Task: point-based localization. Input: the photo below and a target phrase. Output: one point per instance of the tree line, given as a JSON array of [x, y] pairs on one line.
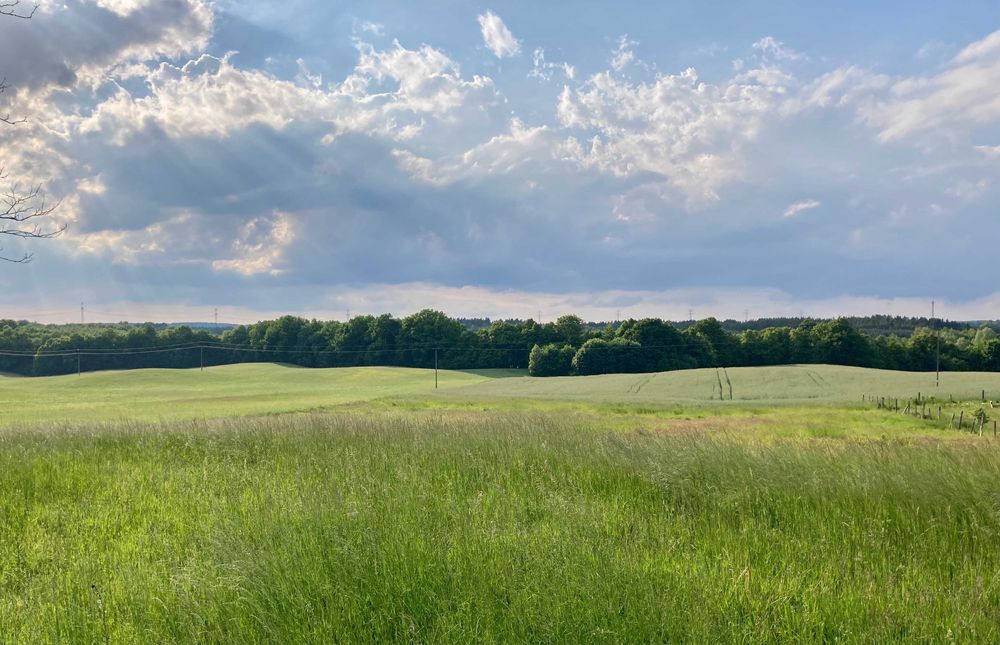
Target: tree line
[[428, 338]]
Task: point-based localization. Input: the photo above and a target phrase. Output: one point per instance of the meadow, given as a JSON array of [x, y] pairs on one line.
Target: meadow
[[231, 390], [254, 389], [492, 511]]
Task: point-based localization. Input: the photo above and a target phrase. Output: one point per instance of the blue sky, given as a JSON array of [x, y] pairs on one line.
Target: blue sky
[[506, 159]]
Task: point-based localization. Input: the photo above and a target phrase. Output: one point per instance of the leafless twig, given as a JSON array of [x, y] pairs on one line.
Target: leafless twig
[[19, 211], [12, 8]]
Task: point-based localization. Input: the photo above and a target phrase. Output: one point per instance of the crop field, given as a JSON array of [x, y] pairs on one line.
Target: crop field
[[358, 505], [232, 390], [266, 388], [771, 385]]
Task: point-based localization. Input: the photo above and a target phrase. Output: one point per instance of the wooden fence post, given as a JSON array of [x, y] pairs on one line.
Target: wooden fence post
[[961, 417]]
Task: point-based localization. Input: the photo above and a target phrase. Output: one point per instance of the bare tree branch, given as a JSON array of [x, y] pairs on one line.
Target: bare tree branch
[[20, 211], [7, 118], [11, 8]]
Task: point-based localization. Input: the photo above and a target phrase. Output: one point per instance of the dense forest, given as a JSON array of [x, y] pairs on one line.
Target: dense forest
[[566, 346]]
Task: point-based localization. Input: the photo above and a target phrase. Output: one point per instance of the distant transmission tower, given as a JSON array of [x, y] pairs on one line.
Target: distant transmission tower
[[81, 312]]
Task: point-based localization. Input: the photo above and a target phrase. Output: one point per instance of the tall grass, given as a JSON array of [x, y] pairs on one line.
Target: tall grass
[[490, 527]]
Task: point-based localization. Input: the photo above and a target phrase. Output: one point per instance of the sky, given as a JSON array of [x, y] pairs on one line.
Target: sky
[[508, 159]]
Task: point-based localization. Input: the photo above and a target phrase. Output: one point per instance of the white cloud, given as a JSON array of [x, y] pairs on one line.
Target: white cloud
[[207, 97], [969, 191], [932, 49], [501, 155], [773, 48], [374, 28], [260, 246], [687, 132], [800, 206], [623, 55], [954, 101], [544, 70], [497, 37], [841, 87], [423, 81], [123, 7], [992, 152], [178, 234], [93, 185], [986, 48], [671, 304], [390, 93], [474, 301]]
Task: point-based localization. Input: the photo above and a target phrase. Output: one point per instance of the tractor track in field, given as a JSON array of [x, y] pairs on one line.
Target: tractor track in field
[[636, 388]]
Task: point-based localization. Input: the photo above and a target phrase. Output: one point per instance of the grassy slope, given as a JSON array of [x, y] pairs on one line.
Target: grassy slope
[[788, 384], [248, 389], [492, 512], [254, 389], [492, 527]]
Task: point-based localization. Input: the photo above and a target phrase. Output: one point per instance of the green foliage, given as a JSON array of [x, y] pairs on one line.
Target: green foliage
[[29, 349], [551, 360], [723, 348], [663, 347], [837, 343], [599, 356], [989, 353], [570, 329]]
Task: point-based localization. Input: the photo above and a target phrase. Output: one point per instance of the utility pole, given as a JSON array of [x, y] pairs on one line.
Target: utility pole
[[435, 368], [216, 316], [937, 357], [81, 312]]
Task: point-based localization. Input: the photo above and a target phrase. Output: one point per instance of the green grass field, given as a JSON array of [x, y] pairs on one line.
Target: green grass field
[[259, 389], [770, 385], [179, 507], [232, 390]]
